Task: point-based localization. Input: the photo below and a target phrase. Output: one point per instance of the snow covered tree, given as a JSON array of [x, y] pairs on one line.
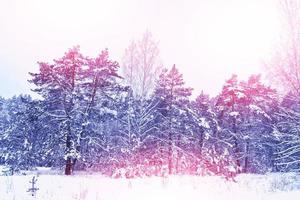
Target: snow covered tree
[[257, 127], [229, 105], [22, 145], [141, 67], [4, 123], [287, 134], [205, 128], [134, 135], [284, 70], [172, 99], [71, 87], [245, 116]]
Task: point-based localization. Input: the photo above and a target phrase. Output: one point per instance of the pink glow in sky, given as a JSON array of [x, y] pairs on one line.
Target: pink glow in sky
[[208, 40]]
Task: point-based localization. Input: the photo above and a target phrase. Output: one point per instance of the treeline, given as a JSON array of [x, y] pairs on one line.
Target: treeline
[[89, 119]]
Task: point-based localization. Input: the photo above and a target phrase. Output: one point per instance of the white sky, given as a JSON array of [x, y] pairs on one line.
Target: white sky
[[208, 40]]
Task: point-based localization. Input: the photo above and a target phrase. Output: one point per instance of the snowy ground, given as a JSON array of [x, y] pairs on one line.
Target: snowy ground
[[95, 187]]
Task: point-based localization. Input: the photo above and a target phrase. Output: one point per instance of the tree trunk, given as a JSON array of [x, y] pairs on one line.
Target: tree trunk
[[246, 164], [235, 139], [68, 168], [170, 154], [237, 154]]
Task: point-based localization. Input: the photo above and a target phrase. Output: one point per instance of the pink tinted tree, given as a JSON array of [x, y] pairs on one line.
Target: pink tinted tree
[[71, 87]]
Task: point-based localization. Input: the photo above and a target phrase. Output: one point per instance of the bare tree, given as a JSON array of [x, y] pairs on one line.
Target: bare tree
[[141, 65], [284, 70], [284, 65]]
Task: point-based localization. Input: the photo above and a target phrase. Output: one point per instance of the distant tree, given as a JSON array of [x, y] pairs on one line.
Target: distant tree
[[284, 65], [141, 65]]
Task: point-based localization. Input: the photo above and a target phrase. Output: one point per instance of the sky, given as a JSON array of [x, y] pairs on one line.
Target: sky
[[208, 40]]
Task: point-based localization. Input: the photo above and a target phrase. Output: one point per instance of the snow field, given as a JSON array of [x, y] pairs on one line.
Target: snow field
[[96, 187]]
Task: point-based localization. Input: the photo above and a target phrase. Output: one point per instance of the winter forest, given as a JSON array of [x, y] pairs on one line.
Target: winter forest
[[89, 120], [136, 118], [90, 117]]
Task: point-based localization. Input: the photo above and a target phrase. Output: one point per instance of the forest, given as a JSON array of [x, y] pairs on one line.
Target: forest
[[91, 118], [151, 100], [134, 117]]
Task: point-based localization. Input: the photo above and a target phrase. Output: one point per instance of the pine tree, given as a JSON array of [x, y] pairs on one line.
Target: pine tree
[[172, 99], [229, 106], [205, 134], [258, 125], [71, 87], [245, 110]]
